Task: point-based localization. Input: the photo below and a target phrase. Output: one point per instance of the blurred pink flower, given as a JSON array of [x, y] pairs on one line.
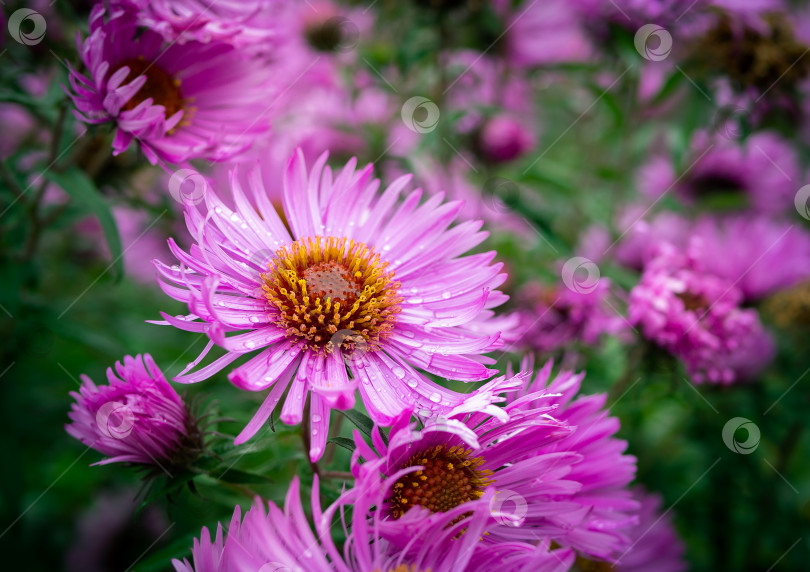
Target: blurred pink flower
[[113, 532], [764, 170], [543, 33], [503, 138], [240, 22], [178, 100], [758, 254], [481, 83], [560, 317], [684, 307]]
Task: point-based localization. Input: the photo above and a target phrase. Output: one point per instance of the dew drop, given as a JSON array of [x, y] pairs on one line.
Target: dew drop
[[316, 418], [445, 295], [413, 383], [399, 372], [435, 397]]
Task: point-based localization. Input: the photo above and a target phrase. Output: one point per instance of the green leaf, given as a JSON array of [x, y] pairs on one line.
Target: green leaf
[[163, 486], [157, 560], [360, 420], [79, 186], [671, 85], [343, 442], [238, 477]]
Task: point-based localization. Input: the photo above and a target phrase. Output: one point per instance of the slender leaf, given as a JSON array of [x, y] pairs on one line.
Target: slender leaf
[[343, 442], [238, 477], [79, 186], [360, 420]]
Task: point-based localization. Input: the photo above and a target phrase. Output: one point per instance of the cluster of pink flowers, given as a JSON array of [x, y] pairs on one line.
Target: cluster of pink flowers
[[361, 292], [320, 288]]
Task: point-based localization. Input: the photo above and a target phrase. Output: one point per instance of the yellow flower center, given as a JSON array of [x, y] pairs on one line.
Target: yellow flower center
[[160, 86], [332, 292], [449, 478]]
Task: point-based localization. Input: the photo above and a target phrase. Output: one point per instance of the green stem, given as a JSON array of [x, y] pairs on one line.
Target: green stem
[[305, 432]]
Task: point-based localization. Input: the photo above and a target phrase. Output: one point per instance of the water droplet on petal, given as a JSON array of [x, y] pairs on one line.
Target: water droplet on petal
[[435, 397], [316, 418]]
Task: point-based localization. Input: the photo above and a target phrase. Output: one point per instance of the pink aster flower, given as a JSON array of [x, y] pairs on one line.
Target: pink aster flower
[[271, 538], [655, 544], [543, 33], [697, 316], [137, 418], [278, 539], [556, 469], [758, 254], [763, 172], [558, 317], [761, 256], [503, 138], [178, 100], [240, 22], [366, 284]]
